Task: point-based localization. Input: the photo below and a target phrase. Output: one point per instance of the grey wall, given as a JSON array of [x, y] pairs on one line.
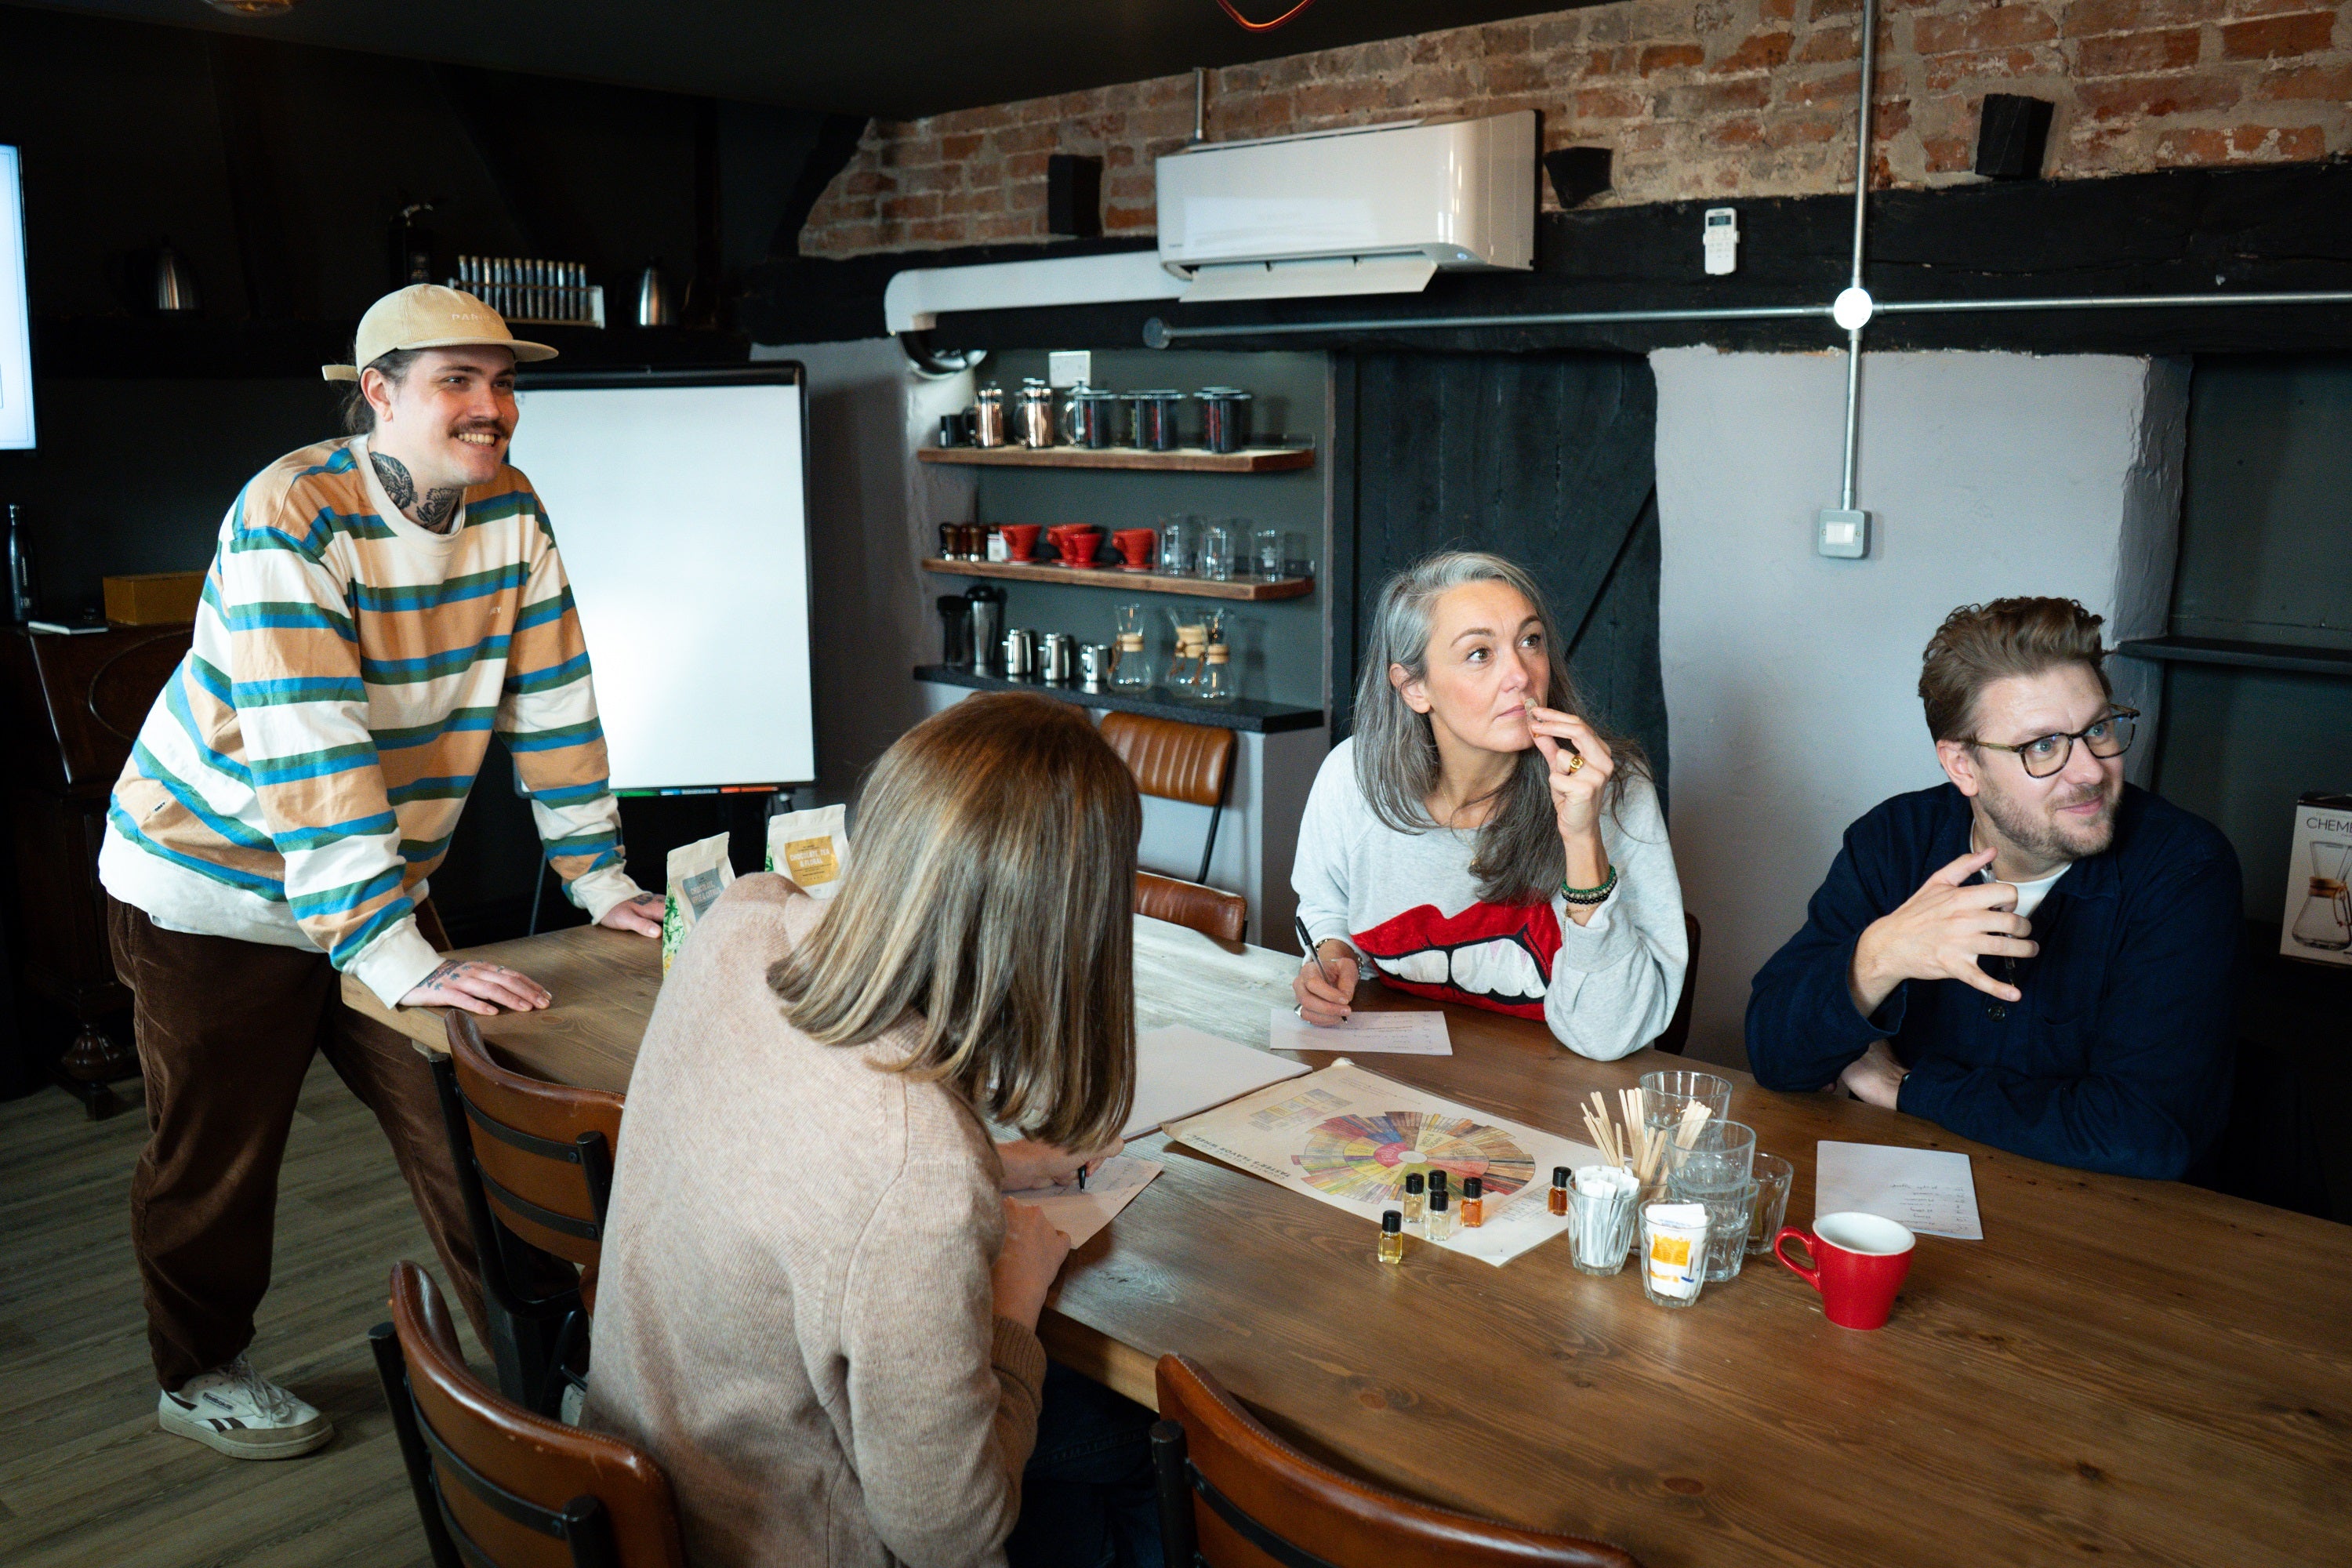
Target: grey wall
[[2265, 556], [1278, 645], [1792, 679]]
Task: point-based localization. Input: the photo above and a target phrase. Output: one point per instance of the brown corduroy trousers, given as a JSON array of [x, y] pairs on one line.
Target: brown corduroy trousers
[[226, 1030]]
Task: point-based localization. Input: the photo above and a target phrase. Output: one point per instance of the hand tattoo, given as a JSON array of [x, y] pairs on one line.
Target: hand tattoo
[[442, 971], [432, 510]]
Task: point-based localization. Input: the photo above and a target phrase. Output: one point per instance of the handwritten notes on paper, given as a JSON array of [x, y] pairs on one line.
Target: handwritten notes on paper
[[1933, 1191], [1415, 1034], [1078, 1213]]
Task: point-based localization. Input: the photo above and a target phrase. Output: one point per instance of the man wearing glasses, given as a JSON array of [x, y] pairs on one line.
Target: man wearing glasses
[[2035, 954]]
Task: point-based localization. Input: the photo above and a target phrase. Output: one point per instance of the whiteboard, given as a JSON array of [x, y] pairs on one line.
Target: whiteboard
[[680, 499], [16, 319]]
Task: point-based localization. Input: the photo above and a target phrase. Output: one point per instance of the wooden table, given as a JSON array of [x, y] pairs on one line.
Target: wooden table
[[2121, 1370]]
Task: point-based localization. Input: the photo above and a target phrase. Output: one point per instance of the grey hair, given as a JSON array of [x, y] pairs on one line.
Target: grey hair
[[1518, 858], [359, 414]]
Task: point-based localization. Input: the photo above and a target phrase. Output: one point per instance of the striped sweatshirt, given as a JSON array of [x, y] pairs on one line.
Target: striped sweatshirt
[[301, 772]]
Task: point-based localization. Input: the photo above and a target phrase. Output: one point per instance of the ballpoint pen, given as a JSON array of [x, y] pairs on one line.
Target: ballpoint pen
[[1306, 946]]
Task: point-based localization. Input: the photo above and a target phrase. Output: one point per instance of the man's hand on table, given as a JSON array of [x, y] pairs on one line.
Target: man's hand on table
[[478, 987], [642, 914], [1874, 1078]]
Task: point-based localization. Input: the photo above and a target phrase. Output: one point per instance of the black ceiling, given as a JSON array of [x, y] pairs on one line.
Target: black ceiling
[[898, 59]]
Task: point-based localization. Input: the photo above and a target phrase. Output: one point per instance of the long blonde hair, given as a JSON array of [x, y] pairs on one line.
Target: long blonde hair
[[989, 897]]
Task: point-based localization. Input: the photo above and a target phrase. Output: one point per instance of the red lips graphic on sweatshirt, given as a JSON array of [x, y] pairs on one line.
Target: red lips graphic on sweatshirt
[[1497, 956]]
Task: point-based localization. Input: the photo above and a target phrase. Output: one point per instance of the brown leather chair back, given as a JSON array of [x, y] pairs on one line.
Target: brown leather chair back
[[1240, 1498], [522, 1491], [1192, 762], [1677, 1036], [544, 1150], [1212, 911]]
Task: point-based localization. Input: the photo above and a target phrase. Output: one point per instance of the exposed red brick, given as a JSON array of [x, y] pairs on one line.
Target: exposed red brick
[[2278, 38], [1787, 131], [2154, 97], [1990, 29], [1944, 72], [1760, 52], [2309, 82], [1747, 131], [2084, 18], [1127, 220], [1948, 154], [1516, 74], [1838, 89], [2128, 54], [1776, 10], [1607, 103], [1658, 58], [955, 148], [1829, 46], [902, 207]]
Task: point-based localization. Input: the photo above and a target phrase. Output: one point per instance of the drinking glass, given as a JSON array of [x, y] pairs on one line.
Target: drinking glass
[[1176, 534], [1729, 1213], [1268, 552], [1217, 548], [1677, 1088], [1673, 1262], [1600, 1223], [1773, 1175], [1719, 1155]]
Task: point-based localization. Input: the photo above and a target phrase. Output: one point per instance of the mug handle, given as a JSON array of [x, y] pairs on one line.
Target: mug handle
[[1812, 1249]]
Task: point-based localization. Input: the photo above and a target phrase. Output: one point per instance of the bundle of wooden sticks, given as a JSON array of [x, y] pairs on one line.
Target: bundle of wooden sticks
[[1638, 1147]]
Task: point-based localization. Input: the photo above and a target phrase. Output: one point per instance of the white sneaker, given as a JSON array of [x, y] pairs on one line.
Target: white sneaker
[[242, 1413]]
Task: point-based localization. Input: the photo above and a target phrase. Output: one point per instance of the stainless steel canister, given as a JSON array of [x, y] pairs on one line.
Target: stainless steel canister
[[1033, 415], [1020, 654], [987, 626], [1224, 418], [988, 417], [1156, 419], [1057, 659], [1090, 417], [1096, 661]]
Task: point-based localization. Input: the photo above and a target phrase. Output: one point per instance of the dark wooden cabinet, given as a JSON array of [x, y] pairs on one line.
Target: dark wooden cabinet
[[75, 706]]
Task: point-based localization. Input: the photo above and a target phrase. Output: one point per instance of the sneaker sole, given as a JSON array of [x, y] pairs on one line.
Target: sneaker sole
[[247, 1443]]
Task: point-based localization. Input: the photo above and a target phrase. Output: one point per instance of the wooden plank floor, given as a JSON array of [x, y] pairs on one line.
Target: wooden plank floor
[[85, 1476]]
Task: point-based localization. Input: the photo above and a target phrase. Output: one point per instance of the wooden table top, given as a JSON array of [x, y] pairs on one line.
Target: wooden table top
[[2122, 1370]]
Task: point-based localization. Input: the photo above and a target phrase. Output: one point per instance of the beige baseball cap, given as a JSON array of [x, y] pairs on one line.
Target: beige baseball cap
[[428, 316]]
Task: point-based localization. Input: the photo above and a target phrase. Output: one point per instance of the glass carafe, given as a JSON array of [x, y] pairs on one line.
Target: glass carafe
[[1189, 629], [2326, 923], [1131, 669]]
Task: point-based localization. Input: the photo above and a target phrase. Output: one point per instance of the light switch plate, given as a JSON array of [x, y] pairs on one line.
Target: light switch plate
[[1070, 367], [1841, 534]]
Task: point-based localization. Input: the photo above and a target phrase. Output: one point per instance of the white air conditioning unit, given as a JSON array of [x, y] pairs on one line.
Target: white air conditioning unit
[[1373, 210]]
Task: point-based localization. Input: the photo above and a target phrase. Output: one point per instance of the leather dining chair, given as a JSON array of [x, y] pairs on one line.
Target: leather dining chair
[[1677, 1036], [535, 1167], [1171, 761], [1234, 1495], [1212, 911], [497, 1485]]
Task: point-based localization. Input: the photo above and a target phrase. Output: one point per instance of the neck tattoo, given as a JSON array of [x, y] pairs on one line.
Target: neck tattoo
[[434, 510]]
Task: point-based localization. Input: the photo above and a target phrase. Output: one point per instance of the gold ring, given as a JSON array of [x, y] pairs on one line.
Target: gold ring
[[1576, 762]]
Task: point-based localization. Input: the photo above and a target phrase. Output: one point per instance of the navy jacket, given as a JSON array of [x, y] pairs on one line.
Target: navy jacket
[[2118, 1058]]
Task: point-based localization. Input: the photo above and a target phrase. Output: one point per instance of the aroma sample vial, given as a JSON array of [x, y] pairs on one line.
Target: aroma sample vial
[[1473, 1202], [1557, 1199], [1441, 1217], [1414, 1184], [1391, 1248], [1437, 1180]]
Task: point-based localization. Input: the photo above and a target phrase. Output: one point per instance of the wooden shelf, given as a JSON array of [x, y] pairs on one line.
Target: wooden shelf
[[2244, 655], [1184, 459], [1254, 589]]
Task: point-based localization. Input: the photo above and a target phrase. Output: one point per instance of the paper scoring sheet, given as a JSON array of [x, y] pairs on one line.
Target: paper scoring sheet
[[1078, 1213], [1417, 1034], [1933, 1191]]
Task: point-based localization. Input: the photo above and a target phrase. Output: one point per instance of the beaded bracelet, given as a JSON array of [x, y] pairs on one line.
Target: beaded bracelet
[[1585, 897]]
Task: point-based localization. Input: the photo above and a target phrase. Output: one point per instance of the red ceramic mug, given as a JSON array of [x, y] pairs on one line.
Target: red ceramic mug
[[1020, 539], [1859, 1262]]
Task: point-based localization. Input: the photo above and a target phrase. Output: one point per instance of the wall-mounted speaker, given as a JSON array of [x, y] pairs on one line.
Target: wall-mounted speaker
[[1577, 174], [1073, 196], [2012, 131]]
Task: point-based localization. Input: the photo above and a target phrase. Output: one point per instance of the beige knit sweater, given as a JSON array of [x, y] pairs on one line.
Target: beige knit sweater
[[794, 1315]]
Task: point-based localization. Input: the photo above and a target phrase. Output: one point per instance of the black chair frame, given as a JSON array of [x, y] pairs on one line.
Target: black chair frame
[[1216, 815], [580, 1524], [535, 1338], [1178, 1480]]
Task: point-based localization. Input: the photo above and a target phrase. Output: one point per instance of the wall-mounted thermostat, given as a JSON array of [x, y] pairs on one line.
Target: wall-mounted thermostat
[[1841, 534], [1722, 238]]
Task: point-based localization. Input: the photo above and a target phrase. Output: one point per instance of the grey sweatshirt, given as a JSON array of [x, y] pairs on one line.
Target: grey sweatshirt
[[1406, 900], [796, 1314]]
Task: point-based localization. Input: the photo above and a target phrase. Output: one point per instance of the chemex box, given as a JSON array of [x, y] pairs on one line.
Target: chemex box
[[2319, 873]]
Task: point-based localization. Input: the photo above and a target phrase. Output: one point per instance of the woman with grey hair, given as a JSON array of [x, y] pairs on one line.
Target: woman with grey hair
[[1480, 839]]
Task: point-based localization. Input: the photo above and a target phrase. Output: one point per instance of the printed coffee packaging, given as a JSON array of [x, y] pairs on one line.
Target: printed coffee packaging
[[699, 873], [2318, 925], [811, 848]]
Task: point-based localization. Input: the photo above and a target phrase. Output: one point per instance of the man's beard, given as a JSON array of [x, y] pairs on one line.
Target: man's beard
[[2049, 840]]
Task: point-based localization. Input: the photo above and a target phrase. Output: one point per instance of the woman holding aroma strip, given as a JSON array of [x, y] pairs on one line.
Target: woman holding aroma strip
[[1481, 839]]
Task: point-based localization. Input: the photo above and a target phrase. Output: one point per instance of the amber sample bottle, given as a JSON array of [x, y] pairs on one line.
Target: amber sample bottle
[[1473, 1202], [1391, 1236], [1558, 1197]]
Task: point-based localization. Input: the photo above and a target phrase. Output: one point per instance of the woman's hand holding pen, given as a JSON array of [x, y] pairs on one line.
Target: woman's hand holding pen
[[1325, 985]]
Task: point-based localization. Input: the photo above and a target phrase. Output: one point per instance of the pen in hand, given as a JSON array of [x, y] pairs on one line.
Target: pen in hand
[[1306, 945]]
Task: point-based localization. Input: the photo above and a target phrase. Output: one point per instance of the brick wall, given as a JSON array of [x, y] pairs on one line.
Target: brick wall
[[1715, 97]]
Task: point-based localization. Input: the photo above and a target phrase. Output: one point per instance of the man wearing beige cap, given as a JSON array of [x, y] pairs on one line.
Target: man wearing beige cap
[[377, 607]]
